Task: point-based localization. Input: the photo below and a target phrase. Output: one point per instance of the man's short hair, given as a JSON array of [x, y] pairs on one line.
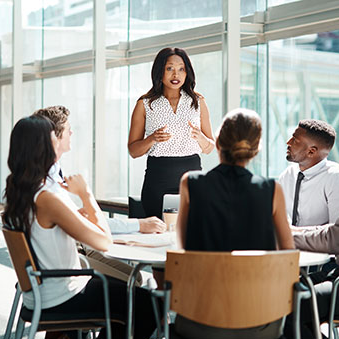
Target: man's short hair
[[59, 116], [319, 130]]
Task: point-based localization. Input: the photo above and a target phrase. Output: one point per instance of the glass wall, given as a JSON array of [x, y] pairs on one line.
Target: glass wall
[[6, 127], [6, 43], [6, 19], [304, 80], [153, 17], [285, 74], [75, 92]]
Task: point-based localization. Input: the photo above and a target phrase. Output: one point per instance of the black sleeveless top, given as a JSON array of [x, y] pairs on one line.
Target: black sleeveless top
[[230, 209]]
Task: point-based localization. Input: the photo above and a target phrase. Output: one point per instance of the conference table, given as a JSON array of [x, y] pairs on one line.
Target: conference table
[[150, 249]]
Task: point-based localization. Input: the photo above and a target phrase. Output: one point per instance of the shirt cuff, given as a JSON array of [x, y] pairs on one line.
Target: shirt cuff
[[132, 225], [118, 226]]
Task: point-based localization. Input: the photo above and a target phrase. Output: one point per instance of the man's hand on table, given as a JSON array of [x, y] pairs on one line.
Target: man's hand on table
[[152, 225]]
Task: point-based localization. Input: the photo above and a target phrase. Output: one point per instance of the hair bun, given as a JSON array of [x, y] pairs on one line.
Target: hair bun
[[241, 145]]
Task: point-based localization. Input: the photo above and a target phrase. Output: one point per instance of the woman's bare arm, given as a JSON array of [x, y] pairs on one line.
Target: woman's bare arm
[[204, 135], [183, 212], [52, 210], [282, 227], [138, 145]]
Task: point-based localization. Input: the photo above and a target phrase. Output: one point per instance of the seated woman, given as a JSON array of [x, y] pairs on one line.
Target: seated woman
[[229, 208], [42, 208]]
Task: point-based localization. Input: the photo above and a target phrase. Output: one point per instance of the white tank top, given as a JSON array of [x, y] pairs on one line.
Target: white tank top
[[55, 249], [181, 143]]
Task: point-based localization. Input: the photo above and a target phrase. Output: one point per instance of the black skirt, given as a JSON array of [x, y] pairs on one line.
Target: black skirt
[[162, 176]]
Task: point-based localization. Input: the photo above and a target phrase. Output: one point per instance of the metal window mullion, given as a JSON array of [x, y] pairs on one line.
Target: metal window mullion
[[99, 67], [17, 52], [231, 55]]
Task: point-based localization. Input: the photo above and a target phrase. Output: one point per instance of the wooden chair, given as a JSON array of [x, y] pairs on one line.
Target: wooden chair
[[30, 277], [233, 290]]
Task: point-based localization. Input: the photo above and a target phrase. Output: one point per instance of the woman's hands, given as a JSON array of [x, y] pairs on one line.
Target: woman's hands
[[204, 142], [76, 184], [160, 135]]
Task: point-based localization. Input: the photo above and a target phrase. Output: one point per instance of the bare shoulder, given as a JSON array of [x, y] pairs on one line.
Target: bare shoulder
[[139, 109], [51, 200], [140, 104], [46, 197], [184, 178], [277, 188], [199, 95]]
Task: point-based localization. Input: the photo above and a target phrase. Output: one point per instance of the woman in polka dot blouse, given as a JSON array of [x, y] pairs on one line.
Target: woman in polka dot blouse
[[171, 124]]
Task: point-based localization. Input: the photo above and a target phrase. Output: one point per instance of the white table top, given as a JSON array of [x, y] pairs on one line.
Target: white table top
[[313, 258], [157, 255]]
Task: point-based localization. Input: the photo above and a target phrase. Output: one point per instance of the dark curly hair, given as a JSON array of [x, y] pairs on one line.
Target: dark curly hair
[[157, 73], [319, 130], [31, 154]]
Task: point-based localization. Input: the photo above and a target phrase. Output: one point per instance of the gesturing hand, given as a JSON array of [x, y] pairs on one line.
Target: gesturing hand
[[75, 184], [160, 135], [196, 133]]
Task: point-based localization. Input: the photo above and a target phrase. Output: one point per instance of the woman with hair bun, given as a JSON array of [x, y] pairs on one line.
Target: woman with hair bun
[[171, 124], [229, 208]]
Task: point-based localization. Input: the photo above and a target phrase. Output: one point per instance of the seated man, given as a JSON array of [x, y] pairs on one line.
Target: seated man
[[59, 116], [313, 199], [323, 238]]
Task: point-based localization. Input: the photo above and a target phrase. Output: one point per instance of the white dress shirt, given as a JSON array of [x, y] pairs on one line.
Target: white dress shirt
[[116, 225], [318, 196]]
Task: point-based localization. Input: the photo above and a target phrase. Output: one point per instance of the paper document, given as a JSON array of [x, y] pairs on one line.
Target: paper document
[[145, 240]]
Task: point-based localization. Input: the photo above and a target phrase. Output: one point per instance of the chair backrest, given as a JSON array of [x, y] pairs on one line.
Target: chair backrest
[[20, 254], [236, 289], [171, 201]]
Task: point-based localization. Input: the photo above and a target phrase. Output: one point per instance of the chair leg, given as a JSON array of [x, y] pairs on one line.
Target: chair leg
[[12, 315], [19, 329]]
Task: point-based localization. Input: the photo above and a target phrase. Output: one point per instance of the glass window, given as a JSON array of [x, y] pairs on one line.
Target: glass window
[[55, 28], [116, 22], [153, 17], [68, 27], [253, 95], [75, 93], [208, 70], [32, 14], [114, 172], [140, 83], [31, 93], [6, 11], [272, 3], [6, 128], [248, 7], [304, 82]]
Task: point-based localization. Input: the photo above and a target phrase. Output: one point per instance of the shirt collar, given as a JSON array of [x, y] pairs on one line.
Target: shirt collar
[[54, 171], [312, 171]]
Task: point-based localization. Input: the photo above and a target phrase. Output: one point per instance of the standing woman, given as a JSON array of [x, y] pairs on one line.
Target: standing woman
[[176, 123]]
